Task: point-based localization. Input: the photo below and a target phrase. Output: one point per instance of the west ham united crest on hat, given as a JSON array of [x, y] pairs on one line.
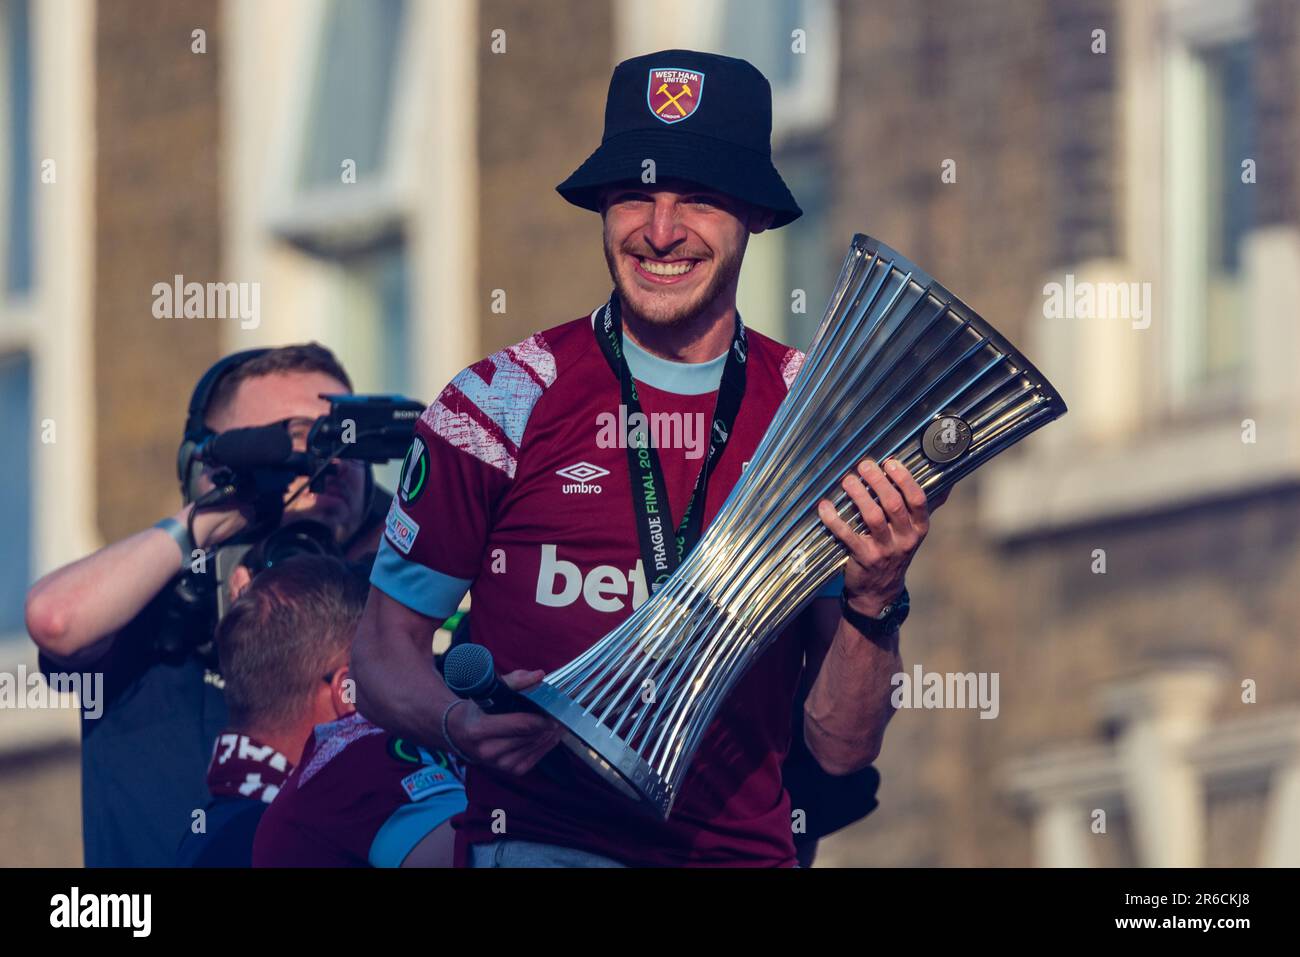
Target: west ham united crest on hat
[[653, 110], [673, 93]]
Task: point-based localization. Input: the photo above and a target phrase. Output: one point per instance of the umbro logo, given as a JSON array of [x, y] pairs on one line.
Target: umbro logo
[[582, 475]]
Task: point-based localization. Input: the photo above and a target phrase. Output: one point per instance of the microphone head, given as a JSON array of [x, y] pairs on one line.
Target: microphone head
[[248, 448], [469, 670]]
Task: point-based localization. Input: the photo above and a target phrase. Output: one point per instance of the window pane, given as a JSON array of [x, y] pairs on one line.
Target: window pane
[[760, 33], [18, 265], [386, 275], [352, 99], [813, 255], [1228, 140], [16, 481], [1210, 128], [369, 327]]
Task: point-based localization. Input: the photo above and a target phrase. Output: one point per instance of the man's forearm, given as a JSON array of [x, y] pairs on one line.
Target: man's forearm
[[77, 605], [849, 704], [397, 685]]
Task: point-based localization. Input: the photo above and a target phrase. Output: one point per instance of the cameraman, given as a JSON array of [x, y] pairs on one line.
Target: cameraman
[[143, 760]]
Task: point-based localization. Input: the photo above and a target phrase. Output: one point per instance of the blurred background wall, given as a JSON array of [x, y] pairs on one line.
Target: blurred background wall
[[385, 171]]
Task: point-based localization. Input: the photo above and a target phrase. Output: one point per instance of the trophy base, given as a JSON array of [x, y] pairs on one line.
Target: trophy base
[[613, 761]]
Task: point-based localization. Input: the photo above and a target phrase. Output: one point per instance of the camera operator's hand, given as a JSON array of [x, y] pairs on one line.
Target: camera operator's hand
[[212, 526], [75, 612], [510, 743]]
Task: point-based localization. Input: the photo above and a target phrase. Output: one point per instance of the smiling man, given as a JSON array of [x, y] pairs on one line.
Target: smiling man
[[508, 494]]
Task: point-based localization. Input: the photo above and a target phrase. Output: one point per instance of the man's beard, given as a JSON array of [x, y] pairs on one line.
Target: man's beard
[[666, 309]]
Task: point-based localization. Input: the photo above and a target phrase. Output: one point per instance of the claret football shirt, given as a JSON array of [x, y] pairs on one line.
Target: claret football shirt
[[359, 797], [517, 490]]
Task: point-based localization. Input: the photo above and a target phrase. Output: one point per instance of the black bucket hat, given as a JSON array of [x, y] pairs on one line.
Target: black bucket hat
[[701, 117]]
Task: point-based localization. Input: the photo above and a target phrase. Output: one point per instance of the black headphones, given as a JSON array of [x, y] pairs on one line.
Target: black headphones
[[188, 469], [196, 430]]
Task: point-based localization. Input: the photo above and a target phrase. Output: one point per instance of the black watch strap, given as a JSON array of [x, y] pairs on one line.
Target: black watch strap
[[891, 616]]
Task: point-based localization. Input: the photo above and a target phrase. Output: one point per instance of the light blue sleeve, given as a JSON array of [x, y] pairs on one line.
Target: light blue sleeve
[[410, 824], [415, 586]]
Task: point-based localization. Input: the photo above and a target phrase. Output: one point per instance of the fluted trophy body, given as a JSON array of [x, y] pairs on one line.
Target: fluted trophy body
[[899, 367]]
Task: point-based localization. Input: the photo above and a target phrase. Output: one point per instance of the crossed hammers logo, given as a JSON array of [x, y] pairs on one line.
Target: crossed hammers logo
[[672, 100]]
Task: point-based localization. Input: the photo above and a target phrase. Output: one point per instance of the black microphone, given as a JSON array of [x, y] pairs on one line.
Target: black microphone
[[470, 672], [242, 449]]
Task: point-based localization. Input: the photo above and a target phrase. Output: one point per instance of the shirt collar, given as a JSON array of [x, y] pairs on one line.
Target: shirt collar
[[683, 378]]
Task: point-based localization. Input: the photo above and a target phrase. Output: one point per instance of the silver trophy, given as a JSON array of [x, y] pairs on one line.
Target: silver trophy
[[899, 367]]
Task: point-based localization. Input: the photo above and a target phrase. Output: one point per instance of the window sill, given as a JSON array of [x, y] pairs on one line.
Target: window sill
[[1037, 495]]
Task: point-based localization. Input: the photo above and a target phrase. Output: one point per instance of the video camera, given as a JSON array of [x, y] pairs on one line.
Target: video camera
[[254, 467]]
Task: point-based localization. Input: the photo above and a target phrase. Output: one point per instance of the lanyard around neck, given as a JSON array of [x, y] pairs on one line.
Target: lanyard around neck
[[649, 498]]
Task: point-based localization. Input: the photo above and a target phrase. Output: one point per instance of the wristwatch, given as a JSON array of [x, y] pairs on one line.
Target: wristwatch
[[887, 622]]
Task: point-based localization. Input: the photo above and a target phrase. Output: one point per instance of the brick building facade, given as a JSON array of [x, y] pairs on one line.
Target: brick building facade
[[1121, 691]]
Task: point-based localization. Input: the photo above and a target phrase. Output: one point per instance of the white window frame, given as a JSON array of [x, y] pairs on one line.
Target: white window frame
[[429, 187], [1117, 381], [1190, 27], [311, 217]]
